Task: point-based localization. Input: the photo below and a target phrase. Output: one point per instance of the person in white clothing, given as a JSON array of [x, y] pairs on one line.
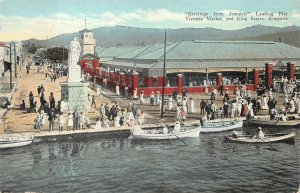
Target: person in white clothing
[[142, 100], [117, 121], [192, 105], [70, 122], [98, 124], [170, 103], [134, 94], [61, 122], [260, 134], [165, 130], [118, 90], [98, 90], [177, 127]]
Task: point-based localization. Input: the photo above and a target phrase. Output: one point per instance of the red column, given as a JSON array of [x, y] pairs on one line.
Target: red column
[[219, 80], [127, 80], [135, 80], [148, 81], [103, 74], [112, 78], [117, 78], [255, 78], [268, 75], [122, 79], [160, 81], [179, 83], [290, 71]]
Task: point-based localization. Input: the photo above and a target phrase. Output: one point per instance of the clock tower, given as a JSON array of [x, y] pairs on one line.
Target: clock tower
[[87, 43]]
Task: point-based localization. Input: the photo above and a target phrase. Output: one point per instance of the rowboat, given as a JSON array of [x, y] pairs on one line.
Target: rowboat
[[15, 141], [292, 121], [269, 138], [213, 126], [156, 134]]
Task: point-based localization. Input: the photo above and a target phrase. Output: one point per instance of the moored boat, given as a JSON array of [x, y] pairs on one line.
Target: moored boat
[[15, 141], [269, 138], [157, 134], [212, 126], [292, 121]]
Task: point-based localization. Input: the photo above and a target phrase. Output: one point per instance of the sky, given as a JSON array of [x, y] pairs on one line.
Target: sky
[[42, 19]]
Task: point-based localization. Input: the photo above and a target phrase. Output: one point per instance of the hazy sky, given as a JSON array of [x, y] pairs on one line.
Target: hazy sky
[[24, 19]]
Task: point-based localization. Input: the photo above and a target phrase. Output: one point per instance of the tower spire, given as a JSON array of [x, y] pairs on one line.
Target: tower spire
[[84, 23]]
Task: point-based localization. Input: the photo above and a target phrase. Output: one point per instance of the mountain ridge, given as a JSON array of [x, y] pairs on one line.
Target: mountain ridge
[[127, 35]]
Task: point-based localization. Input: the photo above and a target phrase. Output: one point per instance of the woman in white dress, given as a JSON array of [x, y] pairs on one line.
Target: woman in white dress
[[61, 122], [117, 90], [158, 98], [264, 103], [142, 100], [192, 105], [117, 120], [170, 103], [184, 104], [42, 117], [81, 120], [70, 122], [292, 106], [135, 94]]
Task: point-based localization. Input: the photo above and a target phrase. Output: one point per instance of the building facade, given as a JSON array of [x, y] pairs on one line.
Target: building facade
[[196, 65]]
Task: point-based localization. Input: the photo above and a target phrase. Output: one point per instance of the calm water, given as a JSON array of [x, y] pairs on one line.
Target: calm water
[[123, 165]]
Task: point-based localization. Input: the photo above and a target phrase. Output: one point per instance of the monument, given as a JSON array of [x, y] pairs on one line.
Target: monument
[[74, 91]]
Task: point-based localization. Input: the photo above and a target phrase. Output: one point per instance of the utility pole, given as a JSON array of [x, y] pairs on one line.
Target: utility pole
[[10, 77], [164, 77], [15, 59]]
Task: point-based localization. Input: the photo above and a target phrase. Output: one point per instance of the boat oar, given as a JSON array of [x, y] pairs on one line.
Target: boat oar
[[179, 138], [269, 145]]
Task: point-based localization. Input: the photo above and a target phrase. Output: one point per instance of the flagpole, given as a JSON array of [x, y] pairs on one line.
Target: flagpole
[[164, 77]]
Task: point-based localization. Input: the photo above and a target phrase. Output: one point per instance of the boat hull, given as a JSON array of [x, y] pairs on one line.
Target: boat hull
[[268, 139], [11, 142], [160, 136], [271, 123], [213, 127]]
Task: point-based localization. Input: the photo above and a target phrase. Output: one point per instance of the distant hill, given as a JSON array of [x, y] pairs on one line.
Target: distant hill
[[291, 38], [124, 35]]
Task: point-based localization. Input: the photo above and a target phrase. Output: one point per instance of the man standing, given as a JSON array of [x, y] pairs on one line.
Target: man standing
[[202, 106], [51, 119], [93, 101]]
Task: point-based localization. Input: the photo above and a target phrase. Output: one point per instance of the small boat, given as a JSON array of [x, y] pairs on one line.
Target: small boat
[[157, 134], [269, 138], [15, 141], [212, 126], [292, 121]]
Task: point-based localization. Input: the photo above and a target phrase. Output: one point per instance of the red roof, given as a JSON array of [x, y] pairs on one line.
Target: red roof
[[2, 44]]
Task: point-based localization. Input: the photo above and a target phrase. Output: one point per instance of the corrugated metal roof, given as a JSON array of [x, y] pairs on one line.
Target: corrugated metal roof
[[202, 54], [204, 50], [116, 51]]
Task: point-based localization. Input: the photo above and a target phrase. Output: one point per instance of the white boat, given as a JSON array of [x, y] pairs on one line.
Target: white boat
[[156, 134], [271, 138], [292, 121], [15, 141], [211, 126]]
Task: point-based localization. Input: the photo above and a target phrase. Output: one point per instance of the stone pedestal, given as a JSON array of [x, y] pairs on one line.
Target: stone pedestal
[[75, 96], [74, 73]]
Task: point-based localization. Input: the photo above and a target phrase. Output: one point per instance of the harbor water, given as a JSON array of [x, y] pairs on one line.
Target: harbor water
[[120, 164]]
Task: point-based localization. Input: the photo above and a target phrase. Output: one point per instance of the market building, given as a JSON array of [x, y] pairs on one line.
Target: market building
[[197, 64]]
